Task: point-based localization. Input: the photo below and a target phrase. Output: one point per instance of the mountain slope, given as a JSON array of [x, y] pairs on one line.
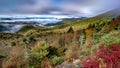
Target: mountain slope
[[111, 14], [82, 24]]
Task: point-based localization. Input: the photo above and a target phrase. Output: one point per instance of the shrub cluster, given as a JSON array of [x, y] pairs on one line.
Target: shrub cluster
[[104, 57]]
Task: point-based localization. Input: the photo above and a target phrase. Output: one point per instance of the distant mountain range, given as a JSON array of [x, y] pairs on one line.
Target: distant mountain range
[[2, 28], [12, 24], [34, 19]]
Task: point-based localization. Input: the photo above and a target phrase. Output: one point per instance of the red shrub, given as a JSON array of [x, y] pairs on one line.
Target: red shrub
[[109, 55], [91, 64]]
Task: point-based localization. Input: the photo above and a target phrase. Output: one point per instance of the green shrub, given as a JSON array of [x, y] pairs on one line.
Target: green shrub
[[109, 39], [26, 28], [70, 30], [13, 43], [55, 60], [61, 51], [38, 54]]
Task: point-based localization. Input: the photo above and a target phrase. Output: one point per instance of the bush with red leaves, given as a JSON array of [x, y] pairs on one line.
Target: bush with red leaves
[[110, 56], [91, 64]]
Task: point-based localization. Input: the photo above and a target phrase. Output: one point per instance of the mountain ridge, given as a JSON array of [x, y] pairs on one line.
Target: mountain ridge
[[110, 14]]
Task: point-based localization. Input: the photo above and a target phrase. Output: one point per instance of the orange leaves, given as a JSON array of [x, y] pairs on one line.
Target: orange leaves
[[88, 33]]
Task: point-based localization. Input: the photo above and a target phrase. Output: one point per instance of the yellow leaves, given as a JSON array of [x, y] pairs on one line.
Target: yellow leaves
[[88, 33]]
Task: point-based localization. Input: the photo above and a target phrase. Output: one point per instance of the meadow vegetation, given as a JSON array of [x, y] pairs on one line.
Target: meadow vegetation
[[94, 41]]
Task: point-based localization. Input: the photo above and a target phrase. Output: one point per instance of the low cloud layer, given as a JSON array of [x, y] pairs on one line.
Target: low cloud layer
[[57, 7]]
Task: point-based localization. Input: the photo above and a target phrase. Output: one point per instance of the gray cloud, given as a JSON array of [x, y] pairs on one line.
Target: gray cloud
[[65, 7]]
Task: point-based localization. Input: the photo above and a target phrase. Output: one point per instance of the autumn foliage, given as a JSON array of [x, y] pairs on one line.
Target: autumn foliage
[[104, 57]]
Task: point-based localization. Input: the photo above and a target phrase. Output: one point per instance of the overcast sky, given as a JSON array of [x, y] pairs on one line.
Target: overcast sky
[[57, 7]]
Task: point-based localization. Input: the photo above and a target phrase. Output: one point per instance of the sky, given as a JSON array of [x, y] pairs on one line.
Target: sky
[[57, 7]]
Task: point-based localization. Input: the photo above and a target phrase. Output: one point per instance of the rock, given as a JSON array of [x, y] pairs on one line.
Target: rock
[[74, 64], [77, 64]]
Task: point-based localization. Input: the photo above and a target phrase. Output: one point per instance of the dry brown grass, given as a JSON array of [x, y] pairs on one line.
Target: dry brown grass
[[73, 53], [46, 64], [16, 58]]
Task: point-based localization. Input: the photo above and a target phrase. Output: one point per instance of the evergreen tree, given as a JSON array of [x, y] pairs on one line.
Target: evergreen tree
[[70, 30]]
